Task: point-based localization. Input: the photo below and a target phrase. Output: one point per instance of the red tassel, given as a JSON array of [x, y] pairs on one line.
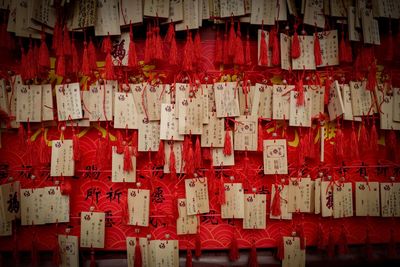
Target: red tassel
[[188, 53], [67, 42], [127, 159], [320, 238], [61, 66], [21, 134], [276, 56], [276, 202], [263, 60], [198, 245], [197, 49], [92, 56], [44, 58], [343, 248], [31, 62], [218, 49], [228, 143], [317, 50], [392, 245], [353, 146], [253, 262], [44, 151], [85, 60], [339, 142], [280, 253], [189, 160], [231, 40], [296, 51], [363, 139], [349, 53], [56, 254], [66, 187], [248, 52], [221, 191], [300, 90], [331, 244], [147, 51], [173, 52], [373, 140], [328, 84], [197, 154], [75, 144], [132, 58], [189, 258], [234, 249], [371, 83], [161, 154], [300, 234], [109, 66], [207, 153], [120, 143], [92, 259], [239, 54], [159, 47], [225, 48], [75, 58], [135, 143], [260, 137], [170, 33], [172, 161], [138, 255]]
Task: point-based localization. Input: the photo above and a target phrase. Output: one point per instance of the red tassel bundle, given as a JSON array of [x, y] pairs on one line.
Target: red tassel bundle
[[353, 146], [239, 53], [339, 138], [85, 60], [44, 151], [231, 40], [275, 47], [132, 58], [44, 58], [253, 262], [66, 187], [371, 82], [188, 53], [158, 53], [189, 258], [75, 144], [263, 60], [175, 208], [170, 33], [300, 90], [197, 52], [172, 161], [373, 139], [342, 49], [276, 202], [218, 49], [197, 154], [295, 50], [67, 42], [109, 68], [127, 159], [317, 50], [75, 59], [228, 143], [161, 154], [198, 245], [328, 84], [363, 143], [92, 56], [137, 262], [188, 156], [147, 46], [234, 249], [248, 51]]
